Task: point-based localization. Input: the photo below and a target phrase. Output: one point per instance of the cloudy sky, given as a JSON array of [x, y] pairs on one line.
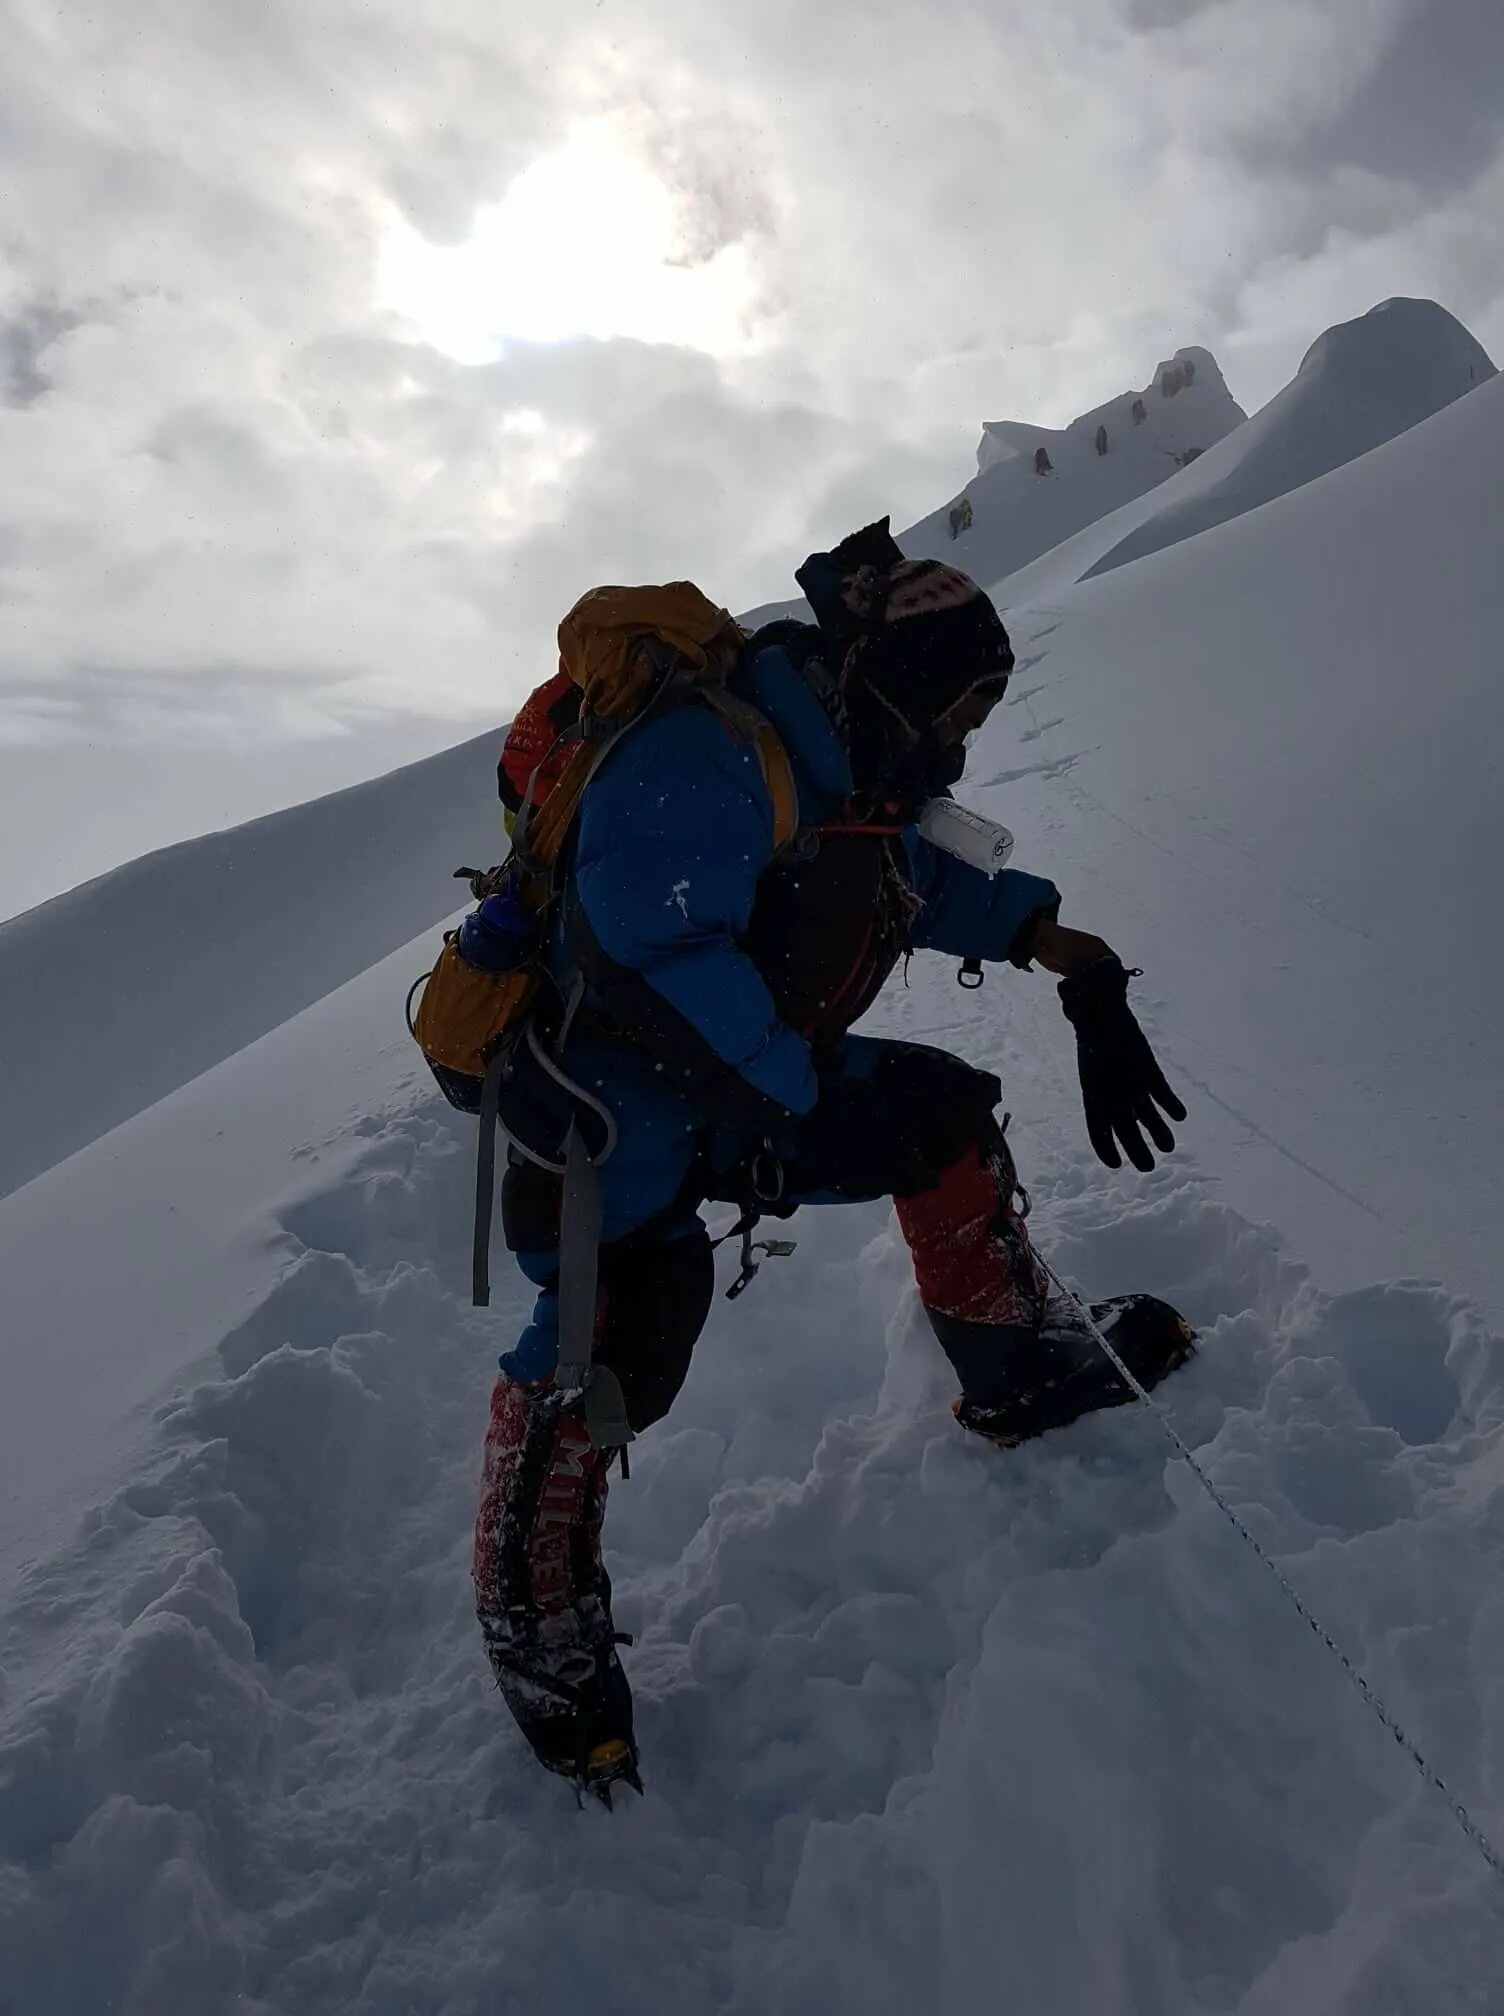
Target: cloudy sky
[[343, 342]]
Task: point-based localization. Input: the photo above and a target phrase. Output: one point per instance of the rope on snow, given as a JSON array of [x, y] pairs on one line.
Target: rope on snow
[[1491, 1855]]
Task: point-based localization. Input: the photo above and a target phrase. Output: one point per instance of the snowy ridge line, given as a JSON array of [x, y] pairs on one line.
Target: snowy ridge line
[[1302, 622], [247, 927], [1432, 1776], [1359, 385]]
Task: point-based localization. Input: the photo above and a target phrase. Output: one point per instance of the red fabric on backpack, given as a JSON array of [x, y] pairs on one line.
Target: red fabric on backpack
[[533, 741]]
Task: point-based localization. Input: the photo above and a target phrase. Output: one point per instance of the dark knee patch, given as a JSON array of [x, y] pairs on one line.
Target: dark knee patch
[[938, 1107], [894, 1131], [657, 1297], [530, 1202]]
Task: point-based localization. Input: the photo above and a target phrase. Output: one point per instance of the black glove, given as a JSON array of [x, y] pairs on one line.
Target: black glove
[[1121, 1084]]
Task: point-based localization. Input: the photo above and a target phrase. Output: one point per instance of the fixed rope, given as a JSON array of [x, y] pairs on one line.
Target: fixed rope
[[1432, 1777]]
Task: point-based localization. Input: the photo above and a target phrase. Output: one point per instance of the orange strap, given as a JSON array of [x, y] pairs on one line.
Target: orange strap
[[777, 771], [549, 825], [778, 775]]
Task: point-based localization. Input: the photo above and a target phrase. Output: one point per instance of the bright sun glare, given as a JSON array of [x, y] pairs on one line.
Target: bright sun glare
[[582, 244]]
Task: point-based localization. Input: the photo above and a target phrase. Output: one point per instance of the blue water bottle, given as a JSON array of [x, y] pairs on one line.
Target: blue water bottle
[[499, 935]]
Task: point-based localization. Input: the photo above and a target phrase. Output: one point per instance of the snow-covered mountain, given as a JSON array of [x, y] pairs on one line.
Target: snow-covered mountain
[[1179, 414], [923, 1726], [1015, 513], [156, 971], [1359, 385], [1193, 461]]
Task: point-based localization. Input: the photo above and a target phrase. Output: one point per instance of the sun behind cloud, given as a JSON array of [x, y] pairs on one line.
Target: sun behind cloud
[[587, 241]]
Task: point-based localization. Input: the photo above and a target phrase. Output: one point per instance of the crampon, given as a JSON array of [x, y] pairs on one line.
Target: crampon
[[607, 1766]]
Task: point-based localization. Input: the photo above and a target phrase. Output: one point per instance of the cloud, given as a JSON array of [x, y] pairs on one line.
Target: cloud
[[24, 340], [238, 486], [1430, 113]]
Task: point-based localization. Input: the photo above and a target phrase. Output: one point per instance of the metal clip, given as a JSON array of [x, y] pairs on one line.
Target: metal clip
[[775, 1249], [766, 1175]]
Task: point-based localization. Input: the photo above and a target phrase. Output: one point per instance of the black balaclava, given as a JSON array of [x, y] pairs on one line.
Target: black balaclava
[[918, 639]]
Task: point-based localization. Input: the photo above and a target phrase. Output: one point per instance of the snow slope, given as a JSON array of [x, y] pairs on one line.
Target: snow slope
[[1360, 384], [73, 809], [1271, 754], [923, 1727], [1017, 515], [116, 993]]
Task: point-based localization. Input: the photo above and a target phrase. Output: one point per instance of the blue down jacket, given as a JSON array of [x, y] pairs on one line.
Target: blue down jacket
[[661, 911]]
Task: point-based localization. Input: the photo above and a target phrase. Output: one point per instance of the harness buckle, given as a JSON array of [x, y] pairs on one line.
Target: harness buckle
[[773, 1249], [776, 1249]]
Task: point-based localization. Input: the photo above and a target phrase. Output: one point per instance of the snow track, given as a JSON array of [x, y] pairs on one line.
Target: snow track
[[917, 1718]]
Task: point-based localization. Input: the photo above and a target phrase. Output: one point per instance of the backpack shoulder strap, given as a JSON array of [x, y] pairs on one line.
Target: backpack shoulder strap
[[799, 641], [777, 771]]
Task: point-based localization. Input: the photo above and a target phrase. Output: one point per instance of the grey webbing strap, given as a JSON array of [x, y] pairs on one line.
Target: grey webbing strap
[[606, 1412], [581, 1220], [579, 1262], [485, 1184]]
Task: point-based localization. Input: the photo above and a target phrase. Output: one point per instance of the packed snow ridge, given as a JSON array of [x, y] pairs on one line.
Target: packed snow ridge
[[1119, 486], [924, 1727], [1035, 486], [1180, 413], [1358, 386], [161, 969]]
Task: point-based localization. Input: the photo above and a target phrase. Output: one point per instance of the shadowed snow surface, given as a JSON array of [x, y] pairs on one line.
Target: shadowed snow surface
[[158, 970]]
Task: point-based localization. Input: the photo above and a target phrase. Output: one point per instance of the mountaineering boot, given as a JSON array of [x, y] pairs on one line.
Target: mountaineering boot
[[576, 1714], [1062, 1371], [542, 1593]]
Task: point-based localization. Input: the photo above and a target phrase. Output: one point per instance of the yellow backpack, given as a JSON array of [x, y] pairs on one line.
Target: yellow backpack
[[619, 649]]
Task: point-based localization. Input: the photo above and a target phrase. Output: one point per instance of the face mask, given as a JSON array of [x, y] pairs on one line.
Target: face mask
[[944, 767], [887, 765], [926, 772]]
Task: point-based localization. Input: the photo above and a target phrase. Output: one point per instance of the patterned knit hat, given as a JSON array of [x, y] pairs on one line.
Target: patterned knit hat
[[915, 639], [917, 635], [923, 639]]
